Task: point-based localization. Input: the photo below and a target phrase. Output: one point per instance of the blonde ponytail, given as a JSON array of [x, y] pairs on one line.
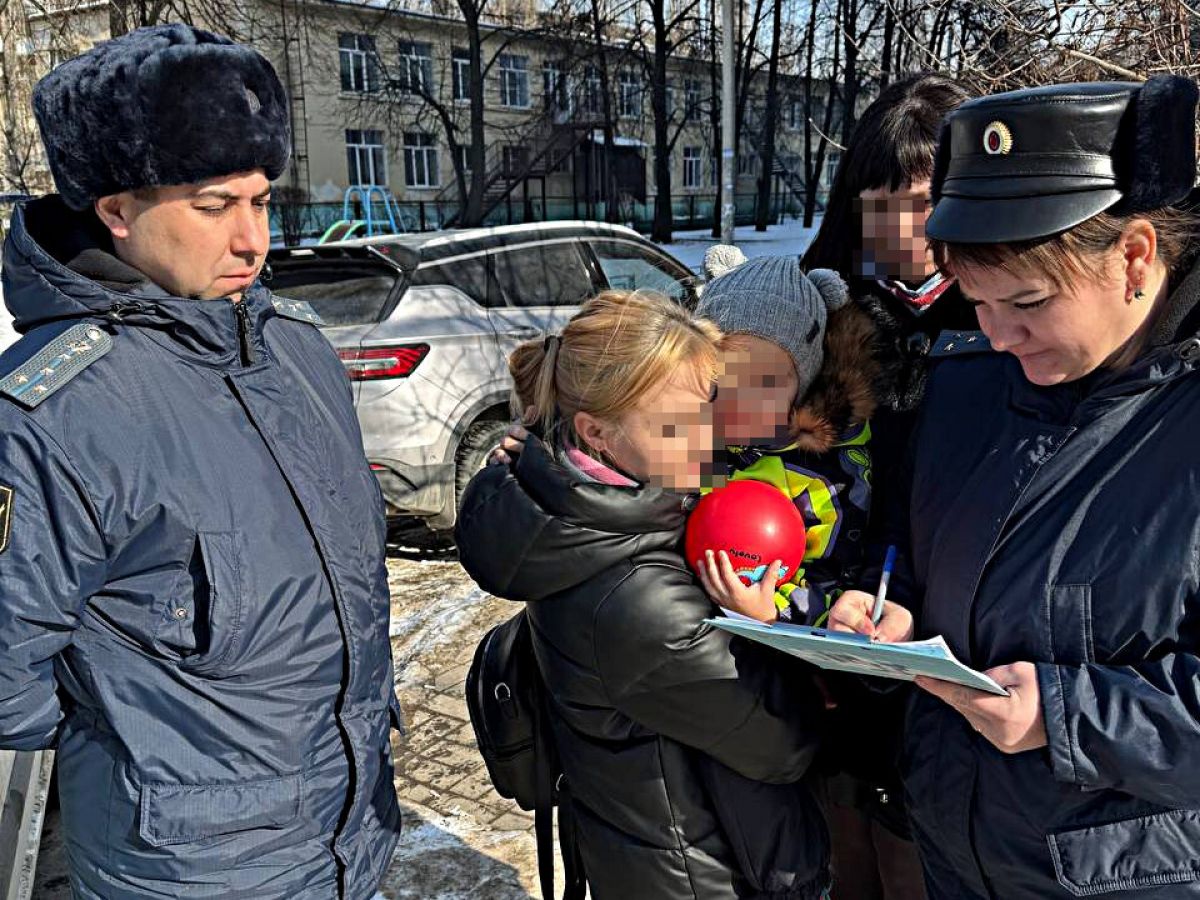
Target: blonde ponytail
[[619, 346]]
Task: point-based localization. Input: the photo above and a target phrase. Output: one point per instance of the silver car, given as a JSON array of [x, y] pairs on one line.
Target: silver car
[[425, 323]]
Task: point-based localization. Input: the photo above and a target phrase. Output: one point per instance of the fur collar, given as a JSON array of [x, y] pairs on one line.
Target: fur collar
[[845, 392]]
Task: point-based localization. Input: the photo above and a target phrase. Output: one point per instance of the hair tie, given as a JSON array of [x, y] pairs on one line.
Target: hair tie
[[551, 342]]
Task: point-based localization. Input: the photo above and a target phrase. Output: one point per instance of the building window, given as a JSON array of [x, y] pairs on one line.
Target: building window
[[554, 87], [515, 160], [420, 160], [796, 114], [514, 81], [670, 100], [746, 163], [629, 14], [460, 59], [359, 65], [691, 99], [366, 160], [592, 103], [629, 97], [691, 167], [464, 157], [416, 68]]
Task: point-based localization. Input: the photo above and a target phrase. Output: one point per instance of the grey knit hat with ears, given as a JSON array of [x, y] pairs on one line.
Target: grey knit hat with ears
[[770, 297]]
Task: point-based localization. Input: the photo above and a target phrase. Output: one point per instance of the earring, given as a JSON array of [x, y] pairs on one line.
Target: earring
[[1138, 294]]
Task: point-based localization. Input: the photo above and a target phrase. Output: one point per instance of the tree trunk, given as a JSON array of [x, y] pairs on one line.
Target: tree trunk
[[850, 71], [889, 35], [608, 189], [813, 171], [663, 224], [472, 212], [714, 121], [762, 212]]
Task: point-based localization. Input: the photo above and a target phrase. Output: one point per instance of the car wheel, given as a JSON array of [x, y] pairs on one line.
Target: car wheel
[[473, 451]]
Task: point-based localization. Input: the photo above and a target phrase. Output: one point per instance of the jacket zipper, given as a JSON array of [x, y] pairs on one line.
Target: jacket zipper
[[243, 320]]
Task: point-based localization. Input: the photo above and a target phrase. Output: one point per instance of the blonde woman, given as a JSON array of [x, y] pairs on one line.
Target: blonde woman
[[682, 746]]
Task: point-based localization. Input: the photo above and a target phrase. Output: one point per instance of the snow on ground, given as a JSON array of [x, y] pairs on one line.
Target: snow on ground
[[790, 236]]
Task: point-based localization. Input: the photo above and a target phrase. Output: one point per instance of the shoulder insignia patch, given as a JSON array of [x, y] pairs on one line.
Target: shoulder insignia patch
[[6, 502], [960, 343], [296, 309], [55, 364]]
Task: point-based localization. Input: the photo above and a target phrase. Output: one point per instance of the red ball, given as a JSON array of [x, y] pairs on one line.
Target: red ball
[[754, 523]]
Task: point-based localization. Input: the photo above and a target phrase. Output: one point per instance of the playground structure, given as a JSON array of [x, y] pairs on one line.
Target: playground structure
[[348, 226]]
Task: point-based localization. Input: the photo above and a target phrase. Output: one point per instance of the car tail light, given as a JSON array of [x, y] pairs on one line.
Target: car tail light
[[373, 363]]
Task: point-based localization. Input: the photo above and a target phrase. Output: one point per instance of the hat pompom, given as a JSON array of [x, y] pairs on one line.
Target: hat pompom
[[832, 288], [721, 258]]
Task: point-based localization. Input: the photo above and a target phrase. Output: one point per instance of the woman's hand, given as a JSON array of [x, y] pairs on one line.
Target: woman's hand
[[510, 446], [852, 612], [1013, 724], [722, 584]]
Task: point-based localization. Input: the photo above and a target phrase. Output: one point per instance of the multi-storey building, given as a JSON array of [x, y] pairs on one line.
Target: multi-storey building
[[381, 97]]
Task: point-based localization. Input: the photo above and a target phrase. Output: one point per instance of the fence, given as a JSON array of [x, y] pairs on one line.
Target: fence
[[690, 211]]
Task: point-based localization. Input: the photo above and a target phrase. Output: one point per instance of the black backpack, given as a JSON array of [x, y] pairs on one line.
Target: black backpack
[[511, 717]]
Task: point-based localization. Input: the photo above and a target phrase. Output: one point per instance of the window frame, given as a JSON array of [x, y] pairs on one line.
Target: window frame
[[376, 156], [412, 61], [514, 81], [360, 63], [423, 153], [460, 74], [693, 167]]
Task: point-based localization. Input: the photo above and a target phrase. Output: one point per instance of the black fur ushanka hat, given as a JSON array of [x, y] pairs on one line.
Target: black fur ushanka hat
[[164, 105]]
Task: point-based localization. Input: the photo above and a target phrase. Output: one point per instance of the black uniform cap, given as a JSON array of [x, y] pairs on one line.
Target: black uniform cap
[[1031, 163]]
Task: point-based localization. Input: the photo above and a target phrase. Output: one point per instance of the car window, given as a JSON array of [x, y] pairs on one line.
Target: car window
[[629, 267], [543, 275], [470, 275], [341, 294]]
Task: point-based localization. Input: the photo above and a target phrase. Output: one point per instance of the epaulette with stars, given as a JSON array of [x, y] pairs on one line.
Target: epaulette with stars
[[55, 364]]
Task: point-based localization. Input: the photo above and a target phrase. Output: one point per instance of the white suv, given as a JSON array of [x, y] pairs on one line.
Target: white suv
[[425, 324]]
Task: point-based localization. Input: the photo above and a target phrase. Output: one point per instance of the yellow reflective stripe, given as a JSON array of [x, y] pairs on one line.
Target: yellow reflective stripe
[[771, 470]]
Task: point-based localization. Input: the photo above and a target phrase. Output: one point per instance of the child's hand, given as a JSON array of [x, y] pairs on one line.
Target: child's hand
[[511, 444], [852, 612], [722, 584]]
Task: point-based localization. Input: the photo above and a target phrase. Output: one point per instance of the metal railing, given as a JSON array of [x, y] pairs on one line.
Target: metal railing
[[690, 211], [24, 792]]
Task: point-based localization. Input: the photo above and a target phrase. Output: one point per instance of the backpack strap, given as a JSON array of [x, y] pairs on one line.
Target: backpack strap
[[568, 844], [543, 811], [552, 788]]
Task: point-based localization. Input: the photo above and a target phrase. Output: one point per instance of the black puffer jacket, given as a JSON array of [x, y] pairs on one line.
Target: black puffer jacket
[[1060, 526], [866, 727], [661, 719]]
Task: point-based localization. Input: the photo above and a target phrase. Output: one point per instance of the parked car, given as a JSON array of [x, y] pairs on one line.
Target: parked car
[[425, 323]]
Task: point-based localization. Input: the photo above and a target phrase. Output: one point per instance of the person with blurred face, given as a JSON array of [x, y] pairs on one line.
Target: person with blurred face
[[682, 748], [193, 595], [1050, 536]]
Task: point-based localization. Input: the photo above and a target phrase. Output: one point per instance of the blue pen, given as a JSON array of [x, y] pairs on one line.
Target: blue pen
[[889, 563]]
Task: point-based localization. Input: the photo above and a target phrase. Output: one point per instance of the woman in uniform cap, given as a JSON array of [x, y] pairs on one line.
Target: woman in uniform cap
[[1053, 527]]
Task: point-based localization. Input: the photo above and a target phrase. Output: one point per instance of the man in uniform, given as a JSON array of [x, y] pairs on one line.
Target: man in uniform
[[193, 596]]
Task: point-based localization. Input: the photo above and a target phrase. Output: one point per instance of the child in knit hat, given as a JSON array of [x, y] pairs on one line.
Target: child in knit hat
[[792, 406]]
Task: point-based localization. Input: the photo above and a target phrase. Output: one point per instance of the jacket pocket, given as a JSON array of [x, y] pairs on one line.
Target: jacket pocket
[[182, 813], [215, 607], [1135, 853], [1068, 620]]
